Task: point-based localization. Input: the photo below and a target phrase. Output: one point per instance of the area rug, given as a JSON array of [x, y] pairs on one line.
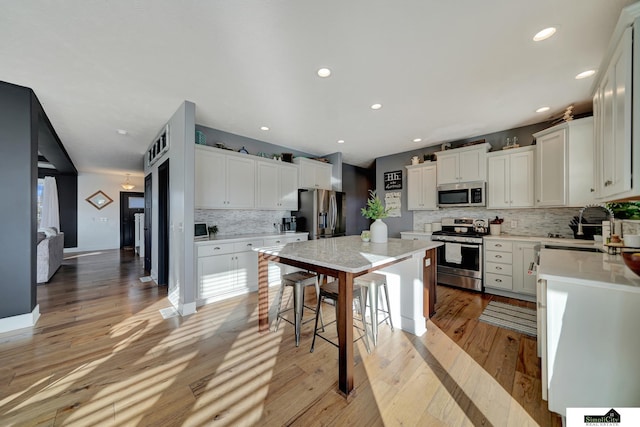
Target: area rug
[[519, 319]]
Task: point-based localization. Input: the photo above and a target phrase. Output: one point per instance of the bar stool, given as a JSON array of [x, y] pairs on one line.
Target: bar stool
[[330, 290], [372, 283], [298, 280]]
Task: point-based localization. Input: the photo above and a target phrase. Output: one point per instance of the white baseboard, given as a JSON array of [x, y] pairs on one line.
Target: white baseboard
[[20, 321], [187, 309]]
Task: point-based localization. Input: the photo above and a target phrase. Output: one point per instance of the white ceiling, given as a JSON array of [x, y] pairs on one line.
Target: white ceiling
[[443, 69]]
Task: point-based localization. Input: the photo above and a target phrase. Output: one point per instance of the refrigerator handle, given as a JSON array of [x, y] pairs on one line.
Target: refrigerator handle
[[333, 212]]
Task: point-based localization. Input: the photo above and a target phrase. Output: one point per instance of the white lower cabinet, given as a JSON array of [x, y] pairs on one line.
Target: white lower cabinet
[[506, 267], [227, 269]]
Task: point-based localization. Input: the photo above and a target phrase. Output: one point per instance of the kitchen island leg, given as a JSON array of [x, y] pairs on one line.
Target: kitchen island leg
[[345, 332], [263, 293]]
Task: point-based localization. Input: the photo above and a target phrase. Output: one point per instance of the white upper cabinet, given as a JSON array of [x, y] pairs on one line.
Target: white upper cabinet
[[464, 164], [421, 187], [276, 185], [510, 178], [223, 180], [564, 164], [612, 103], [313, 174]]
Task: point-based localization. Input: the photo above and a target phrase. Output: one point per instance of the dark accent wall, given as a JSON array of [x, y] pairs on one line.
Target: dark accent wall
[[68, 202], [356, 183], [18, 174]]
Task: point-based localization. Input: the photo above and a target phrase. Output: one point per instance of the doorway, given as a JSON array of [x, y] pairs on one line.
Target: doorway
[[163, 223], [148, 197], [131, 203]]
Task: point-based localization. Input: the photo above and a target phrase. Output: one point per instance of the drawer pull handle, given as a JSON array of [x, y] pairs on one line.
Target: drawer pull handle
[[249, 244], [277, 241], [499, 280], [217, 248], [498, 268], [498, 245], [498, 256]]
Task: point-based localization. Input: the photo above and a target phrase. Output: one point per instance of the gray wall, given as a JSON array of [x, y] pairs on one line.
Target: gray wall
[[18, 172], [356, 183], [399, 161]]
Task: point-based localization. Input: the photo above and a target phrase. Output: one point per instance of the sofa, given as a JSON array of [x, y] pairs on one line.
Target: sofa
[[50, 252]]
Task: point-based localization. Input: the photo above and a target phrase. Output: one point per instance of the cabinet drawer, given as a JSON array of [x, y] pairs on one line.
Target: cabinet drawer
[[498, 281], [494, 267], [501, 257], [215, 249], [274, 241], [247, 245], [498, 245]]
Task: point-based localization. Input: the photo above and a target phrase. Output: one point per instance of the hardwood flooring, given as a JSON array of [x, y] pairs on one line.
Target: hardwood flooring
[[102, 354]]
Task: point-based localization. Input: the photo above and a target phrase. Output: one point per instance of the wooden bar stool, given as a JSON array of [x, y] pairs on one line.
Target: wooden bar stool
[[330, 290], [372, 283], [298, 280]]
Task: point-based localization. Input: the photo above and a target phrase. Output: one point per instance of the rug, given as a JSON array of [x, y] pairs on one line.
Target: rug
[[519, 319]]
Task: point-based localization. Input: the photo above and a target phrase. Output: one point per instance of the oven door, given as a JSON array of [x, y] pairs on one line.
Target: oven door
[[464, 274], [454, 197]]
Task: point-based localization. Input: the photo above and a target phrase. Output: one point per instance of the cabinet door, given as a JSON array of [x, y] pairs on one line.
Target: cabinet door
[[448, 169], [521, 178], [246, 271], [551, 171], [581, 162], [288, 188], [210, 179], [307, 175], [414, 189], [615, 147], [267, 180], [323, 176], [240, 183], [429, 196], [498, 182], [523, 257], [216, 276], [472, 165]]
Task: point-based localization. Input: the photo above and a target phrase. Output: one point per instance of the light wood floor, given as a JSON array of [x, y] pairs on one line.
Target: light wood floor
[[102, 354]]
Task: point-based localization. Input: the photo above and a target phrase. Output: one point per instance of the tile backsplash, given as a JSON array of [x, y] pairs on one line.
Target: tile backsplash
[[237, 221], [530, 222]]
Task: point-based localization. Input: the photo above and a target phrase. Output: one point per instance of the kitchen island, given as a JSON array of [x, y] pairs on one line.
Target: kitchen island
[[588, 313], [410, 266]]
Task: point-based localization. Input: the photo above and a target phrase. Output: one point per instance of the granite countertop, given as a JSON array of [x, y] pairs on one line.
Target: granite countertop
[[587, 268], [230, 238], [349, 253]]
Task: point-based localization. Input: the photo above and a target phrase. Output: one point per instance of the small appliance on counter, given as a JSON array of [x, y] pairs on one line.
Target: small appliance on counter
[[289, 224]]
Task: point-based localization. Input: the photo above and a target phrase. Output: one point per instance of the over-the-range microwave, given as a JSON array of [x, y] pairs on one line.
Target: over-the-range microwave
[[461, 194]]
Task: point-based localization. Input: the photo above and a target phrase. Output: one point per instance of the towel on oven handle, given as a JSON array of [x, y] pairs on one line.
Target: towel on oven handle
[[453, 253]]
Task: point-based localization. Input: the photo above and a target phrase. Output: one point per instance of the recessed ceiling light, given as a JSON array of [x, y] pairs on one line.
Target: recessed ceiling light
[[122, 132], [341, 141], [324, 72], [544, 34], [376, 106], [542, 109], [417, 139], [585, 74], [264, 128]]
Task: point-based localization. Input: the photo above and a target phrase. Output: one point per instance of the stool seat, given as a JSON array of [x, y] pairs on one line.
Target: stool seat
[[298, 280], [330, 290], [373, 282]]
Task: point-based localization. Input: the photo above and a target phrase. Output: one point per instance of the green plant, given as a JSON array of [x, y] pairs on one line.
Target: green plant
[[213, 229], [374, 209], [625, 210]]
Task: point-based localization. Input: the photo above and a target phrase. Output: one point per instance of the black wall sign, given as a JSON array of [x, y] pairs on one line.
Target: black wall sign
[[393, 180]]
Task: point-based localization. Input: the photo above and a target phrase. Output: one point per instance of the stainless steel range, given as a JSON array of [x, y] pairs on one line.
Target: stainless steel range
[[460, 258]]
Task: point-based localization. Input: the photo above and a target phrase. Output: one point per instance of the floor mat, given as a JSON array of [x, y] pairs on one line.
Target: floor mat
[[519, 319]]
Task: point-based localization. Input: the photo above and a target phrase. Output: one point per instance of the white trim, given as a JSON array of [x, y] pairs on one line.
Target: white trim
[[20, 321], [187, 309]]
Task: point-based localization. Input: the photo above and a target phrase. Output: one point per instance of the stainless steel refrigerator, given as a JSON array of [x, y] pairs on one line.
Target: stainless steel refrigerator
[[322, 213]]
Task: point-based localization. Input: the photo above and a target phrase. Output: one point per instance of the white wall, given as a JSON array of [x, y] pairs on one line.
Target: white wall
[[100, 229]]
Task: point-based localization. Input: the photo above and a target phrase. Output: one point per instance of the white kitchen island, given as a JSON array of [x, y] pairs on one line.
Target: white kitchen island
[[592, 354], [410, 267]]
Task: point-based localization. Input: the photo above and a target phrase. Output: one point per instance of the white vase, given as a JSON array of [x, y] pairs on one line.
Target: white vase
[[378, 232], [494, 229]]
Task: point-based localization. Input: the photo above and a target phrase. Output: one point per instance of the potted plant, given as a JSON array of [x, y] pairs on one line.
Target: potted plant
[[375, 210], [494, 226], [213, 230]]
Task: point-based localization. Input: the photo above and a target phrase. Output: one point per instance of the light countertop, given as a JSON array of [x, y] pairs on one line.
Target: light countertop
[[587, 268], [230, 238], [349, 253], [578, 243]]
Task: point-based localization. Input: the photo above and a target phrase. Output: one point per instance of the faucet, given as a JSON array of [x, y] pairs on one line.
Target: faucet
[[580, 232]]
